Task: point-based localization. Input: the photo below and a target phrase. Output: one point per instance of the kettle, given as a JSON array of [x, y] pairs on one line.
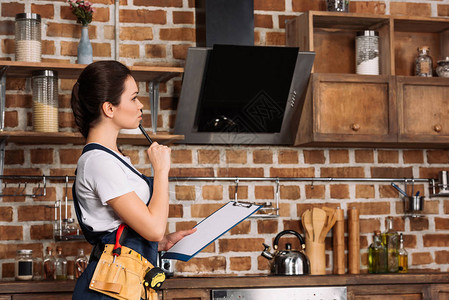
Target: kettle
[[287, 261]]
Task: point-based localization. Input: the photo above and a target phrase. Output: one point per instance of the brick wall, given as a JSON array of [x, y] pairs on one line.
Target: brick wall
[[159, 32]]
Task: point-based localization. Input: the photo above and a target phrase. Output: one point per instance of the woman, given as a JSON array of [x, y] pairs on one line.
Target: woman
[[108, 190]]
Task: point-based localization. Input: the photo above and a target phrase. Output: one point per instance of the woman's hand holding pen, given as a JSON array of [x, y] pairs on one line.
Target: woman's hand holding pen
[[159, 156]]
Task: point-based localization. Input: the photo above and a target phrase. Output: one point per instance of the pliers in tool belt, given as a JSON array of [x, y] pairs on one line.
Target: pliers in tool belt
[[120, 237]]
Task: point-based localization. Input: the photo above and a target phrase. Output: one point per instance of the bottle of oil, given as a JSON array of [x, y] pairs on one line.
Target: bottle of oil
[[390, 239], [61, 265], [403, 256], [377, 255]]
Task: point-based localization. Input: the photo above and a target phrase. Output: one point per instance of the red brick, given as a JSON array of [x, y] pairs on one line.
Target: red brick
[[240, 263], [421, 259], [338, 156], [267, 226], [242, 192], [300, 5], [236, 156], [240, 245], [203, 265], [183, 17], [288, 157], [292, 172], [242, 228], [356, 172], [180, 51], [263, 264], [369, 225], [155, 51], [371, 208], [275, 38], [370, 7], [436, 240], [45, 11], [9, 250], [213, 192], [429, 172], [182, 156], [68, 30], [240, 172], [208, 156], [339, 191], [177, 34], [264, 192], [50, 193], [443, 10], [184, 192], [41, 232], [410, 9], [11, 9], [160, 3], [315, 191], [269, 5], [263, 21], [419, 224], [69, 156], [364, 191], [441, 223], [389, 172], [191, 172], [48, 48], [387, 191], [23, 171], [131, 51], [283, 19], [412, 156], [136, 33], [8, 270], [314, 156], [7, 27], [41, 156], [364, 156], [11, 119], [292, 225], [8, 233], [437, 156], [175, 211], [13, 157], [6, 213], [387, 156], [262, 157], [203, 210], [144, 16], [290, 192], [442, 257], [17, 84], [185, 225]]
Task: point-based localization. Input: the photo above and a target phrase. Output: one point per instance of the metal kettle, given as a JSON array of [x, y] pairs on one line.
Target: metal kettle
[[287, 261]]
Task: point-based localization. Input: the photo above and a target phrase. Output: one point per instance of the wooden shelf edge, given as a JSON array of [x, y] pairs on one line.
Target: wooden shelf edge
[[31, 137]]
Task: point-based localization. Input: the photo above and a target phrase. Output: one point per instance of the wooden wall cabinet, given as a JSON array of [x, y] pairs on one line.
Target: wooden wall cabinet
[[393, 109]]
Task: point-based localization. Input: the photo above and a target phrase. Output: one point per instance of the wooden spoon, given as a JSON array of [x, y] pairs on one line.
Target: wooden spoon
[[307, 223], [318, 220], [330, 223]]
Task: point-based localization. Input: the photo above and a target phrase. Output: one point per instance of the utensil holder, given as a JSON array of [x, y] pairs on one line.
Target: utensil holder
[[414, 204], [317, 257]]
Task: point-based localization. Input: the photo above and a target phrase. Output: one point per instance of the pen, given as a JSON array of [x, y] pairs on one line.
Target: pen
[[145, 134]]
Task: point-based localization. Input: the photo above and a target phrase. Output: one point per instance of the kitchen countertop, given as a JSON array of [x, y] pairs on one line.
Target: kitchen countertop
[[12, 287]]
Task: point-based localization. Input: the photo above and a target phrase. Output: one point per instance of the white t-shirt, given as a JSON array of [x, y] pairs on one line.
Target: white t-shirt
[[101, 177]]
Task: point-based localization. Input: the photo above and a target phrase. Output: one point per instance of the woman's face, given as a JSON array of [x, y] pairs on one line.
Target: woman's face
[[128, 114]]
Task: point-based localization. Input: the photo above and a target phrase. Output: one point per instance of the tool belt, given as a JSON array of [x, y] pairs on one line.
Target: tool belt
[[130, 276]]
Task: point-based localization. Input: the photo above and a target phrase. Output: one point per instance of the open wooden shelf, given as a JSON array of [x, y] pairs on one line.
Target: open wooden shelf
[[31, 137], [72, 71]]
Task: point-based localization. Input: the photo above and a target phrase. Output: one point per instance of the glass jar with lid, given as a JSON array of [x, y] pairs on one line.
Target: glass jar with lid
[[423, 63], [367, 52], [28, 37], [24, 265], [442, 69], [45, 100]]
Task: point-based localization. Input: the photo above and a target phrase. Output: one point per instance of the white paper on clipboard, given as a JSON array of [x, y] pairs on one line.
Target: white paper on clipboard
[[210, 229]]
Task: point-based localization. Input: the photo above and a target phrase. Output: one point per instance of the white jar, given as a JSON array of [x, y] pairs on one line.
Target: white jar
[[28, 37], [367, 52]]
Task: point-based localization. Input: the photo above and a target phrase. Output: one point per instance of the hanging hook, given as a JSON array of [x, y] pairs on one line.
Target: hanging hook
[[65, 197], [312, 186], [277, 189], [236, 189]]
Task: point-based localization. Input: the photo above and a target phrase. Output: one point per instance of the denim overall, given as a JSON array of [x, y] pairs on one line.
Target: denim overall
[[133, 240]]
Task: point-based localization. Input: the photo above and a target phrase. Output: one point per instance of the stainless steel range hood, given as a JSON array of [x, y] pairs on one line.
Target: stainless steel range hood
[[242, 94]]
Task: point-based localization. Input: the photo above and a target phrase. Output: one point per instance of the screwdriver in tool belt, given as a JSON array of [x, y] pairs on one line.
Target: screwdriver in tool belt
[[119, 239]]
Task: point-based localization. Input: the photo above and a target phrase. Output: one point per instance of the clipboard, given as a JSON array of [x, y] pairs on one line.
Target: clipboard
[[210, 229]]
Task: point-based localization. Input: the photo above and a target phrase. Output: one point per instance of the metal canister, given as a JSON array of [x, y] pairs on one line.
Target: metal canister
[[28, 37]]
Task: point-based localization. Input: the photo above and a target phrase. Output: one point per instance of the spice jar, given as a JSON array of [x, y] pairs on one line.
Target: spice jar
[[28, 37], [45, 101], [367, 52], [443, 67], [423, 63], [338, 5], [24, 265]]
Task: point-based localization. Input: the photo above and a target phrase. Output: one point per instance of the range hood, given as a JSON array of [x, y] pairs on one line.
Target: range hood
[[242, 94]]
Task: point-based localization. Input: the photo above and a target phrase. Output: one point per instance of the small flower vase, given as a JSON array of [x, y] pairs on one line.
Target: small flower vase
[[84, 47]]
